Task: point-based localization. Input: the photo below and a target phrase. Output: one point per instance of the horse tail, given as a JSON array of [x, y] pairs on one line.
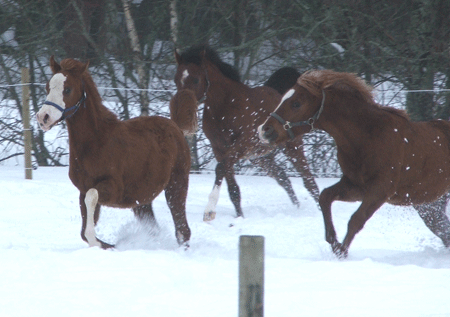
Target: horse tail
[[283, 79], [183, 110]]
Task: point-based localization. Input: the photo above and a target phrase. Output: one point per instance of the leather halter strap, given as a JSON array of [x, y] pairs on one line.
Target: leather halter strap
[[67, 110], [289, 125]]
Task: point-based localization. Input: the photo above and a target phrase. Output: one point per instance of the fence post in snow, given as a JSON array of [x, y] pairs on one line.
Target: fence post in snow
[[26, 122], [251, 276]]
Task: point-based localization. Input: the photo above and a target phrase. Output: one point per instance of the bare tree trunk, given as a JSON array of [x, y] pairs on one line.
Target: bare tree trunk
[[174, 21], [137, 56]]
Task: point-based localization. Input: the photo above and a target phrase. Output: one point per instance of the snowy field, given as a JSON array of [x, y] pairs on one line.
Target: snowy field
[[396, 267]]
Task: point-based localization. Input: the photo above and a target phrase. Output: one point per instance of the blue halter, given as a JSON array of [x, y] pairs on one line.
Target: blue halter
[[65, 111]]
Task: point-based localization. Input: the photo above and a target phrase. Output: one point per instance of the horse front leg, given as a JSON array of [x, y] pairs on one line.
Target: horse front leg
[[234, 191], [326, 198], [344, 190], [90, 213], [357, 222], [213, 198]]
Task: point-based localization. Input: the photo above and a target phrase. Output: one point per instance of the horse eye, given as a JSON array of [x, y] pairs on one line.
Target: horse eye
[[296, 105], [66, 91]]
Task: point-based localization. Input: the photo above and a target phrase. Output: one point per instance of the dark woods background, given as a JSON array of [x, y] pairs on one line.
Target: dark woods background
[[395, 45]]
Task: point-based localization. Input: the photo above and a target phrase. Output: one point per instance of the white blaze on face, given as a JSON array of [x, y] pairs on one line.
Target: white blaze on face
[[184, 76], [286, 96], [48, 114]]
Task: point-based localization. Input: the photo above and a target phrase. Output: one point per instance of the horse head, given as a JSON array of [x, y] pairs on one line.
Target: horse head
[[296, 114], [65, 92], [192, 74]]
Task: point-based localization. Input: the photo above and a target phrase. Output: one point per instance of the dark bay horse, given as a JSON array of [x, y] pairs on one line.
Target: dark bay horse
[[115, 163], [232, 112], [383, 155]]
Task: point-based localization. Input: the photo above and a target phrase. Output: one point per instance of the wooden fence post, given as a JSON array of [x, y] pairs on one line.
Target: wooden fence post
[[251, 276], [26, 122]]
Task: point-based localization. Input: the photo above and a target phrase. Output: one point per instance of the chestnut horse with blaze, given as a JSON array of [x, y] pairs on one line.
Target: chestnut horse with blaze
[[115, 163], [383, 155]]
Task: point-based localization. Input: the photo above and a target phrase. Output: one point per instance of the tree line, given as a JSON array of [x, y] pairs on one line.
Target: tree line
[[131, 44]]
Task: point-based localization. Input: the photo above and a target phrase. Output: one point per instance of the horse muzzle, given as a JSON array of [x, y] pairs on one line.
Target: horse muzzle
[[47, 119], [267, 134]]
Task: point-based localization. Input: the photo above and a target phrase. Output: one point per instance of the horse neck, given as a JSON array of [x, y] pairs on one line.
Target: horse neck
[[89, 125], [220, 88], [345, 122]]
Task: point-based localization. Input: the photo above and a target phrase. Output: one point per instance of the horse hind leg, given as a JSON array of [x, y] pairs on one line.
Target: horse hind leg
[[144, 213], [268, 164], [294, 152], [434, 217]]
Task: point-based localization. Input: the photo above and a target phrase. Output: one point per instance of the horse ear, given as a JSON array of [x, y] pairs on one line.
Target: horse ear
[[85, 67], [178, 57], [203, 55], [55, 67]]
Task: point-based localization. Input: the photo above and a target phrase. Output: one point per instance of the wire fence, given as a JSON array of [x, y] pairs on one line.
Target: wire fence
[[319, 147]]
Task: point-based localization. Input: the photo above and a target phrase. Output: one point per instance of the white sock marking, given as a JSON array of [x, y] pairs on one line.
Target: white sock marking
[[91, 200], [213, 199]]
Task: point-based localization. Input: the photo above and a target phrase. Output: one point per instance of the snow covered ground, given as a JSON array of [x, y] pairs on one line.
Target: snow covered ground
[[396, 267]]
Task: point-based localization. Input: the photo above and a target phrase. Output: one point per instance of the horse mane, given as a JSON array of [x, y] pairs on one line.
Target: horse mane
[[283, 79], [194, 55], [77, 68], [317, 80]]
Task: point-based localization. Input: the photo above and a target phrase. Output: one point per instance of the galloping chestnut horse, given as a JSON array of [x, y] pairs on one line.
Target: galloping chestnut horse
[[384, 156], [115, 163], [231, 115]]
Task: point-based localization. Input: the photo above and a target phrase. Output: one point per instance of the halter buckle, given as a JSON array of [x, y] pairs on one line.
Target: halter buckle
[[287, 126]]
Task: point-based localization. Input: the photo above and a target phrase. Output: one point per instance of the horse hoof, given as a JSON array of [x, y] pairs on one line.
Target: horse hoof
[[339, 250], [209, 216], [106, 246]]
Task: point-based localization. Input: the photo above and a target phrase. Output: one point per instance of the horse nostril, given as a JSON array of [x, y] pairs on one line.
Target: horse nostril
[[268, 130], [269, 133], [46, 117]]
